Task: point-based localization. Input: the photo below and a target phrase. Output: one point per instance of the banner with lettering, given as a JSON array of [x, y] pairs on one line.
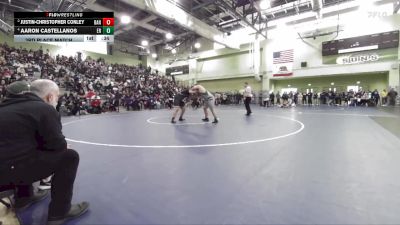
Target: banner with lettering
[[390, 54]]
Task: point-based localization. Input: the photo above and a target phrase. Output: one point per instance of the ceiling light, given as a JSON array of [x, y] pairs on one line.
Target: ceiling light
[[332, 83], [265, 4], [145, 43], [168, 36], [358, 82], [309, 84], [154, 55], [197, 45], [173, 51], [125, 19]]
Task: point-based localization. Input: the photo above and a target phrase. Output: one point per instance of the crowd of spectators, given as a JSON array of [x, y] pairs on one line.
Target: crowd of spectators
[[331, 98], [91, 85], [228, 98], [94, 86]]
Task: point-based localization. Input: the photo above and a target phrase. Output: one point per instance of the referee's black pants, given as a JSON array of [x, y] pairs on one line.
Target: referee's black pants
[[247, 101], [63, 165]]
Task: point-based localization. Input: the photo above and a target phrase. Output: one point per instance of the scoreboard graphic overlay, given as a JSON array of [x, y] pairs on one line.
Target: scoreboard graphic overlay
[[64, 26]]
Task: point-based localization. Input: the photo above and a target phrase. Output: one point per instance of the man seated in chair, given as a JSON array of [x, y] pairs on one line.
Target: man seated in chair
[[32, 147]]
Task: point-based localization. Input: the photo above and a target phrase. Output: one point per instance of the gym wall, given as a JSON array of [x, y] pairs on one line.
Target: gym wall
[[232, 84], [369, 81]]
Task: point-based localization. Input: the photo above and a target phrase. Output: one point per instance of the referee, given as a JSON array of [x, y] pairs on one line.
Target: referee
[[247, 98]]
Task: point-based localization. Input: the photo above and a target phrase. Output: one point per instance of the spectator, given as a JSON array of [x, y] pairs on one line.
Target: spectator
[[278, 98], [285, 99], [392, 97], [315, 98], [304, 98], [375, 96], [309, 98], [384, 97], [31, 137], [272, 98]]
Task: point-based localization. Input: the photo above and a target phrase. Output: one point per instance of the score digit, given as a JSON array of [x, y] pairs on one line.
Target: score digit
[[108, 22], [108, 30]]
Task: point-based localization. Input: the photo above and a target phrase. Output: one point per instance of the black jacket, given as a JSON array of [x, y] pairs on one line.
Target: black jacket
[[28, 125]]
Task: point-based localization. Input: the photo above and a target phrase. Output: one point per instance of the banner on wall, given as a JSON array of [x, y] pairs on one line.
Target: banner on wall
[[283, 63], [362, 57]]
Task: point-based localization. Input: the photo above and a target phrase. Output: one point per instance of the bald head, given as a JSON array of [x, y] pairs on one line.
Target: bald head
[[46, 90]]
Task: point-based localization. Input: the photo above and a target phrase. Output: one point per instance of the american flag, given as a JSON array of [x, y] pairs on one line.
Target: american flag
[[283, 56]]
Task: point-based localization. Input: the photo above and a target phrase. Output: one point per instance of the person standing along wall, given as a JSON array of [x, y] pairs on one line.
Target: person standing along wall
[[384, 97], [392, 97], [278, 98]]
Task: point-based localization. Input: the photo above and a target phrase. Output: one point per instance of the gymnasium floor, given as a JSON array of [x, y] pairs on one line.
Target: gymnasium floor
[[304, 165]]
